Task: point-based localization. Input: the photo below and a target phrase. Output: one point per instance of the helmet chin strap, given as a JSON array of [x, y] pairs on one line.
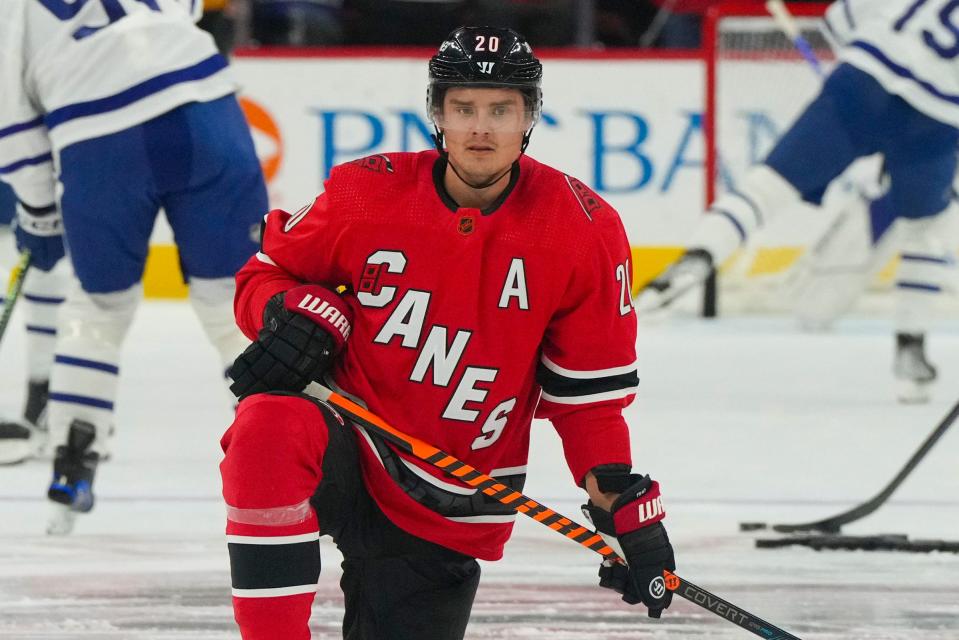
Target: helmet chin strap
[[481, 185], [438, 143]]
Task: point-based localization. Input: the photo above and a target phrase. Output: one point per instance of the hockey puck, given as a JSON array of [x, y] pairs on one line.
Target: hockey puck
[[752, 526]]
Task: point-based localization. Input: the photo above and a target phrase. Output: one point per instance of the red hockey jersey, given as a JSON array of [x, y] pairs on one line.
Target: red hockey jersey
[[467, 323]]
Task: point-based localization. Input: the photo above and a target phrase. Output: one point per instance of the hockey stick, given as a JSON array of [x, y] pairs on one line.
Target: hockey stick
[[657, 23], [834, 523], [780, 13], [13, 291], [537, 511]]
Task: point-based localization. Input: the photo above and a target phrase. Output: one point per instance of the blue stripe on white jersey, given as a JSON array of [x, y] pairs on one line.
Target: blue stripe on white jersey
[[21, 126], [25, 162], [904, 72], [91, 68], [199, 71]]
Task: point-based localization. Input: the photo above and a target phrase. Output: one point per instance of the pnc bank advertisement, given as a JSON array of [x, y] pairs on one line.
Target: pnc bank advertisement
[[630, 126], [632, 129]]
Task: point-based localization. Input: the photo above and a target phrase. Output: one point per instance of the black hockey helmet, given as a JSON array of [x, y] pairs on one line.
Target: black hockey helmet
[[485, 57]]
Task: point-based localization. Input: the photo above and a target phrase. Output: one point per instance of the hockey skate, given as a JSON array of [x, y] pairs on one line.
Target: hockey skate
[[914, 374], [73, 469], [26, 438]]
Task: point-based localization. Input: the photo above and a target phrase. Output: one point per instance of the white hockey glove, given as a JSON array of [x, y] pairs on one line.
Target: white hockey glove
[[690, 270], [39, 230]]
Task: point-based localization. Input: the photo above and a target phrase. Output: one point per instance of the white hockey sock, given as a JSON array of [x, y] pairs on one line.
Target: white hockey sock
[[927, 270], [43, 294], [83, 382], [212, 300]]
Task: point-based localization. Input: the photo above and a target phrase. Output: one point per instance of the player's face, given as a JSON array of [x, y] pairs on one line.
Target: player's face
[[483, 129]]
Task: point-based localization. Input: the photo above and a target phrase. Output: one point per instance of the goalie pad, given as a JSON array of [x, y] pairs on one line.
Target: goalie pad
[[735, 216], [836, 269]]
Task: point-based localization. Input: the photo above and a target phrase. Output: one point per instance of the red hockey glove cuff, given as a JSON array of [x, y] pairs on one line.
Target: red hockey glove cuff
[[639, 506], [323, 307]]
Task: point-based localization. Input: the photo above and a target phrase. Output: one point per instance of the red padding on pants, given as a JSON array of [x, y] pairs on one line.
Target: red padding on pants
[[273, 452]]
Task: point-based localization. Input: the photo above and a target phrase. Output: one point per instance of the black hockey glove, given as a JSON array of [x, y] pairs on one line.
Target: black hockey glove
[[633, 527], [303, 330]]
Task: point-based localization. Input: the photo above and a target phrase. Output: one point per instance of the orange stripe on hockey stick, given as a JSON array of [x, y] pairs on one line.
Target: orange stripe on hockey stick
[[494, 489], [445, 462], [513, 496], [542, 515], [578, 531]]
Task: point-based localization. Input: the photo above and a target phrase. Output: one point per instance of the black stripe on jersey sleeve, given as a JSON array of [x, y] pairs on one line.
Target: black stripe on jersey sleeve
[[559, 385], [269, 566]]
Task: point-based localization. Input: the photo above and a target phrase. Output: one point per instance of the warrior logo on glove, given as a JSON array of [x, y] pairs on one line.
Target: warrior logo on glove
[[657, 587]]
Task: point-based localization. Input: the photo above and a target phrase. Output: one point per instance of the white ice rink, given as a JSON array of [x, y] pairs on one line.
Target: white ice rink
[[744, 419]]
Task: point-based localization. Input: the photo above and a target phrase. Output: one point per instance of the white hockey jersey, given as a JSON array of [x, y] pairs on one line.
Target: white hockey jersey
[[71, 70], [911, 47]]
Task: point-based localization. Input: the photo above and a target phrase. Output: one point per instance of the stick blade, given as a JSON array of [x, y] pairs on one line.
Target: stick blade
[[821, 526], [881, 542]]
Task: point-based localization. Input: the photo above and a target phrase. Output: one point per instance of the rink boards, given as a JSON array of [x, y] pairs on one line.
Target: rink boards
[[628, 124]]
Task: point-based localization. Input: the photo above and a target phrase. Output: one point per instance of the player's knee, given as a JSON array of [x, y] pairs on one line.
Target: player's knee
[[212, 301], [922, 205], [212, 292], [274, 452], [100, 281], [99, 320], [274, 427], [930, 228], [922, 177]]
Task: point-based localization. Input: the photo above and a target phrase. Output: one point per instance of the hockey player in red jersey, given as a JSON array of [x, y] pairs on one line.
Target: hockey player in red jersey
[[482, 288]]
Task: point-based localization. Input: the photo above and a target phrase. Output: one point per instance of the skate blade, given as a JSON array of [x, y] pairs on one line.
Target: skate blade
[[62, 519], [912, 392]]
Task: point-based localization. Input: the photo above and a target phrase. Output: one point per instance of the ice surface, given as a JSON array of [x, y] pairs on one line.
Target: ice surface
[[743, 419]]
